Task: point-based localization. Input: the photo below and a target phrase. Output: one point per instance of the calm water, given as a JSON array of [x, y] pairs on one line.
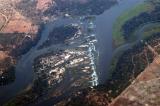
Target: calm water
[[104, 24]]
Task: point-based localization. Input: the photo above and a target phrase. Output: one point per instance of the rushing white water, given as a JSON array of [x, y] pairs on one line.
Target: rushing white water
[[92, 55], [104, 24]]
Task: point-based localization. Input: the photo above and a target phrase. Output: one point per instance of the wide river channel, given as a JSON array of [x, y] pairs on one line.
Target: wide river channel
[[104, 24]]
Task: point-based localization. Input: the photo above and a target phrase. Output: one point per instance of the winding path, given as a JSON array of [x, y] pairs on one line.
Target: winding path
[[6, 20]]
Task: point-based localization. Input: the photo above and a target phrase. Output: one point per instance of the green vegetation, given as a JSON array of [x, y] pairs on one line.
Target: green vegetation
[[114, 61], [151, 30], [23, 99], [60, 35], [117, 28], [9, 39], [131, 63], [80, 9]]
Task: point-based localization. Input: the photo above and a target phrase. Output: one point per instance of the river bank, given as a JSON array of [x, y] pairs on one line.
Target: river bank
[[104, 24], [130, 64]]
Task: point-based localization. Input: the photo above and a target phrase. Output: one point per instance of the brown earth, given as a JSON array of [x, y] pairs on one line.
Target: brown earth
[[3, 56], [14, 25], [43, 5], [145, 90], [20, 24]]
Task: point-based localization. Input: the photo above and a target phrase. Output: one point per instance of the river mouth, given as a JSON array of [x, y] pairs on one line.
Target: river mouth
[[103, 33]]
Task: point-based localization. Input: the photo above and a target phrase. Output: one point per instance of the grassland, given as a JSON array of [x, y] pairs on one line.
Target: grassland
[[117, 28], [151, 30]]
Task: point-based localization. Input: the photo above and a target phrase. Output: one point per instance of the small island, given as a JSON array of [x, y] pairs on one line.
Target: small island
[[61, 34]]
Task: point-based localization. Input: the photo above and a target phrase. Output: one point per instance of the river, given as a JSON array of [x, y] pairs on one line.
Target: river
[[104, 24]]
